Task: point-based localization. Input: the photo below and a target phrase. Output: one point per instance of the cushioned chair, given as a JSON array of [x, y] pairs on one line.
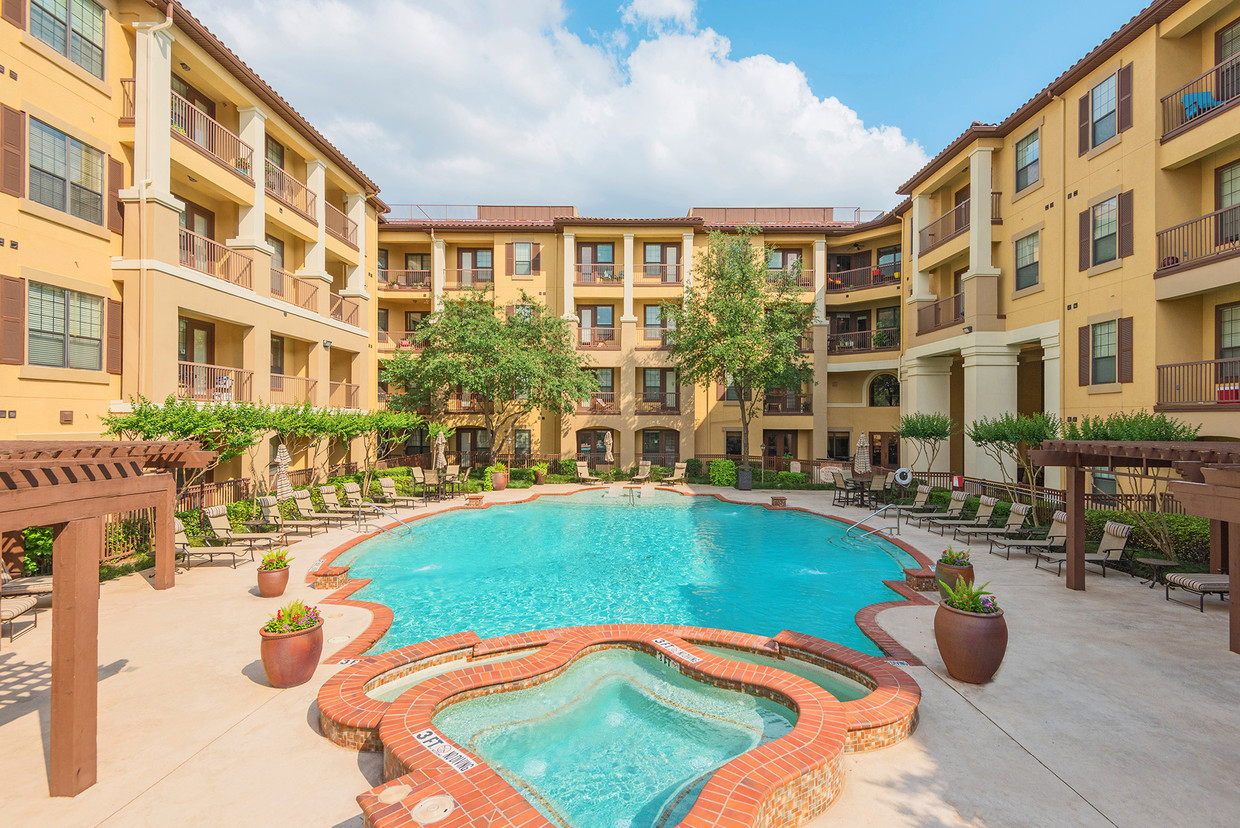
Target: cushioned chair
[[954, 511], [583, 473], [354, 500], [981, 518], [272, 516], [1012, 528], [1055, 538], [1200, 584], [919, 504], [14, 606], [1110, 551], [231, 542], [30, 585]]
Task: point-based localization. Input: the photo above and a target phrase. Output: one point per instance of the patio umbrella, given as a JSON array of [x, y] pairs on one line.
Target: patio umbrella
[[284, 486], [441, 460], [608, 444], [861, 463]]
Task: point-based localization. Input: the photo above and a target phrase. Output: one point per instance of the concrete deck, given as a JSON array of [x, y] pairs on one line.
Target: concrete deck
[[1113, 707]]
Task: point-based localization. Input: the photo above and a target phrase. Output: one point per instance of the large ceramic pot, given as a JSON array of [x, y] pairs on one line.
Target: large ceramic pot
[[950, 573], [499, 481], [540, 477], [972, 644], [271, 582], [289, 659]]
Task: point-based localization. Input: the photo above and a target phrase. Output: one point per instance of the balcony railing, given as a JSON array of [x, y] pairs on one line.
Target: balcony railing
[[289, 191], [200, 129], [343, 394], [851, 342], [214, 383], [995, 199], [946, 227], [1201, 98], [940, 314], [465, 404], [806, 344], [653, 339], [589, 274], [598, 339], [860, 278], [600, 402], [214, 259], [470, 278], [1192, 384], [400, 341], [658, 402], [127, 102], [287, 390], [780, 402], [345, 310], [1200, 241], [295, 290], [659, 274], [341, 226], [405, 279], [804, 279]]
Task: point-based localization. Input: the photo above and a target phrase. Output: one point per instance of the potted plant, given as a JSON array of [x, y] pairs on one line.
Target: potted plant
[[952, 566], [273, 573], [498, 475], [292, 642], [540, 473], [970, 632]]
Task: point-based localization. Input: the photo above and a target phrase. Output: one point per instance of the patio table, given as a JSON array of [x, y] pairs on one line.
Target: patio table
[[1158, 568]]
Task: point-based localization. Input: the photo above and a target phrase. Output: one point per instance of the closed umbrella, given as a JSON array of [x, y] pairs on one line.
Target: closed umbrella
[[441, 460], [861, 463], [608, 445], [284, 486]]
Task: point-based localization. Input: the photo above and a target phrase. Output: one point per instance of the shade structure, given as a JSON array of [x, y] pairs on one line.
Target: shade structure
[[284, 486], [608, 446], [441, 459], [861, 463]]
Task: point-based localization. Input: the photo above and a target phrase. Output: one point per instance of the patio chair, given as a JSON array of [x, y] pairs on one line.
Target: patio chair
[[1200, 584], [981, 518], [228, 538], [452, 480], [583, 474], [305, 507], [919, 503], [875, 493], [272, 516], [432, 484], [1056, 537], [29, 585], [679, 474], [14, 606], [643, 472], [844, 496], [1110, 551], [354, 499], [1011, 528], [332, 503], [953, 510], [388, 485], [185, 550]]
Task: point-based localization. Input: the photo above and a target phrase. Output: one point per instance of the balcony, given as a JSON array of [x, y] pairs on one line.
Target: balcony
[[214, 383], [1187, 386], [653, 339], [343, 395], [594, 274], [598, 339], [861, 278], [854, 342], [214, 259], [659, 274], [658, 402], [945, 228], [293, 289], [127, 102], [405, 279], [1200, 241], [941, 314], [341, 226], [803, 280], [289, 390], [290, 192], [391, 341], [345, 310], [473, 278], [805, 344], [600, 402], [782, 402], [195, 127], [464, 403], [1209, 94]]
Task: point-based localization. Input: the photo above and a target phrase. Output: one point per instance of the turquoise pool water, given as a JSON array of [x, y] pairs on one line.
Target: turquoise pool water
[[587, 559], [618, 739]]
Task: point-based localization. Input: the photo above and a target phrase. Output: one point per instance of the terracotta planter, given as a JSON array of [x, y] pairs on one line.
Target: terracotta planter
[[950, 574], [289, 659], [499, 481], [972, 644], [539, 477], [271, 582]]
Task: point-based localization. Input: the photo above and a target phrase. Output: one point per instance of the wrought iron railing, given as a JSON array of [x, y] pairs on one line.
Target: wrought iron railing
[[782, 402], [471, 278], [214, 259], [341, 226], [589, 274], [1214, 382], [1205, 95], [946, 227], [1209, 238], [290, 390], [851, 342], [295, 290], [659, 274], [345, 310], [658, 402], [860, 278]]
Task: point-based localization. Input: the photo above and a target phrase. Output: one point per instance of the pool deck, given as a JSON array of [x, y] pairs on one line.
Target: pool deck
[[1113, 707]]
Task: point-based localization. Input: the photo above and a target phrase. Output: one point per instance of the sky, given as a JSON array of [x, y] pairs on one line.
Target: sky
[[651, 107]]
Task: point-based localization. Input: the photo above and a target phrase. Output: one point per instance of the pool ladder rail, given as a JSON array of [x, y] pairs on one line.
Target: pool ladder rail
[[361, 525], [888, 529]]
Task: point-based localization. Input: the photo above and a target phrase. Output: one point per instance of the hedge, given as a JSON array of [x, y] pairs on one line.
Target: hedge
[[722, 473]]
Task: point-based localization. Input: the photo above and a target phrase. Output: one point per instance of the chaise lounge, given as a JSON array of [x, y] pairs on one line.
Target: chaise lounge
[[1200, 584]]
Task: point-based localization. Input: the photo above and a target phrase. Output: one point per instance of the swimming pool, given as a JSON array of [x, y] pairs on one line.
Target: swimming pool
[[664, 558]]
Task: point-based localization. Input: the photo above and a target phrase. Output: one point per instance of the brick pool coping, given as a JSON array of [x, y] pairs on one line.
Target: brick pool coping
[[785, 782]]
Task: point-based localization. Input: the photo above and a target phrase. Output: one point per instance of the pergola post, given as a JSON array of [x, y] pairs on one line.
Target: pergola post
[[1233, 580], [1075, 505], [165, 550], [1218, 545], [75, 655], [12, 551]]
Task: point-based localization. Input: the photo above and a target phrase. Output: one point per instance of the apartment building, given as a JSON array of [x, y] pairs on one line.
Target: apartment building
[[172, 226]]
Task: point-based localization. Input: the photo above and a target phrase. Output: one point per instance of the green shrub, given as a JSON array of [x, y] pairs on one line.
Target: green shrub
[[568, 468], [693, 467], [790, 479], [722, 473], [38, 545], [522, 475], [1190, 535]]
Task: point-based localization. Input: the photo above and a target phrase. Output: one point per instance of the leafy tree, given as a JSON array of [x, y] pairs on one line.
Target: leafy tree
[[341, 428], [384, 433], [740, 325], [927, 433], [1009, 437], [510, 363], [299, 428]]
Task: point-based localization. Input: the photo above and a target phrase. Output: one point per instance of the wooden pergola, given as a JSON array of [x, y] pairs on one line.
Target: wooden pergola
[[71, 487], [1209, 487]]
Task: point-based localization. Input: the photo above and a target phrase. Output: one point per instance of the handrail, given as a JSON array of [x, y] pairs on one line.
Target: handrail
[[876, 513], [951, 224], [341, 226], [361, 525], [200, 129], [1216, 87]]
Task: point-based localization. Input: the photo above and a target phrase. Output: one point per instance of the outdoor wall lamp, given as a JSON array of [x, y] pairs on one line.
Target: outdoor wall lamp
[[968, 329], [327, 343]]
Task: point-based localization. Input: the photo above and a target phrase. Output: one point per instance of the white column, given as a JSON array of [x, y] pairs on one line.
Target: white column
[[153, 109], [925, 386], [438, 258], [980, 259], [252, 223], [316, 253], [570, 268], [1052, 400], [989, 391], [921, 279], [686, 259], [355, 209], [820, 281], [630, 273]]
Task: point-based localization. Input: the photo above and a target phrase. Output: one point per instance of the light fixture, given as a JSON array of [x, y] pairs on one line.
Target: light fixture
[[184, 66], [327, 343], [968, 329], [192, 179]]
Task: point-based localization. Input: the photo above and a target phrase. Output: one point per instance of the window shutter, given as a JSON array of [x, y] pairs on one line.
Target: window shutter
[[1082, 145], [721, 391], [1123, 118], [12, 321], [510, 310], [115, 329], [116, 182], [1124, 368], [12, 151], [510, 259], [1085, 252], [1125, 224], [1083, 349], [14, 11], [535, 258]]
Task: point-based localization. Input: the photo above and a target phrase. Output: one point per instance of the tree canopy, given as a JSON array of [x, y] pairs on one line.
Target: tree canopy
[[927, 432]]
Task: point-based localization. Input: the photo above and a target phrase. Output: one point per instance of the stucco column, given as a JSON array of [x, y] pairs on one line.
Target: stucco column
[[256, 356], [821, 333], [630, 273], [1052, 400], [820, 283], [252, 224], [925, 387], [321, 371], [980, 260], [989, 391], [570, 268], [921, 279], [153, 109], [438, 259], [315, 266], [355, 209], [686, 259]]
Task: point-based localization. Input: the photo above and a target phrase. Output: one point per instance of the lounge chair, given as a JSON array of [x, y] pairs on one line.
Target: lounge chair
[[679, 475], [1013, 527], [953, 511], [981, 518], [919, 503], [1055, 538], [583, 474], [184, 550], [29, 585], [14, 606], [305, 507], [239, 542], [643, 472], [1110, 551], [388, 485], [1200, 584], [332, 503], [354, 500], [272, 516]]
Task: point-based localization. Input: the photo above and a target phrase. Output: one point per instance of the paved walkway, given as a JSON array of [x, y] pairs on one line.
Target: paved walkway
[[1113, 707]]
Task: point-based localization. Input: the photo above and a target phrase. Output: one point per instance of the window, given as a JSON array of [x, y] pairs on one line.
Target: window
[[1027, 257], [523, 258], [65, 174], [839, 445], [383, 319], [885, 391], [1104, 351], [418, 261], [1104, 218], [475, 264], [277, 354], [414, 319], [525, 312], [1227, 77], [72, 27], [275, 152], [277, 252], [1229, 332], [1027, 157], [732, 443], [606, 380], [782, 258], [661, 262], [654, 316], [886, 328], [1103, 111], [889, 260], [66, 328], [1228, 195], [522, 441]]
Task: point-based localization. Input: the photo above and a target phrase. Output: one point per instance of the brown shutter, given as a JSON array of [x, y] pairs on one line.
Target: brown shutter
[[721, 391], [1124, 371], [510, 258], [535, 258], [1082, 144], [510, 310], [1083, 343], [1125, 224], [1084, 234], [115, 328], [12, 151], [12, 321], [14, 11], [116, 182], [1123, 118]]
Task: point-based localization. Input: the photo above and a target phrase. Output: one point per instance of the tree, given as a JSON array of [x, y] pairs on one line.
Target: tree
[[927, 433], [342, 427], [740, 325], [509, 364], [385, 432], [299, 428], [1009, 438]]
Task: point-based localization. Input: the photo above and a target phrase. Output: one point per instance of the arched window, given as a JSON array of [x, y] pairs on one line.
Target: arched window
[[885, 391]]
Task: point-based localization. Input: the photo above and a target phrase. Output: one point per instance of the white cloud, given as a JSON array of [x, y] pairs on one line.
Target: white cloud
[[656, 13], [498, 102]]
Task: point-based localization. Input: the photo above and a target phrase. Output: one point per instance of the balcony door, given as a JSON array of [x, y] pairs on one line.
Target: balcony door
[[1227, 199], [1227, 342], [960, 209], [884, 449], [474, 266], [597, 323], [196, 347], [779, 443], [660, 446], [1227, 51]]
